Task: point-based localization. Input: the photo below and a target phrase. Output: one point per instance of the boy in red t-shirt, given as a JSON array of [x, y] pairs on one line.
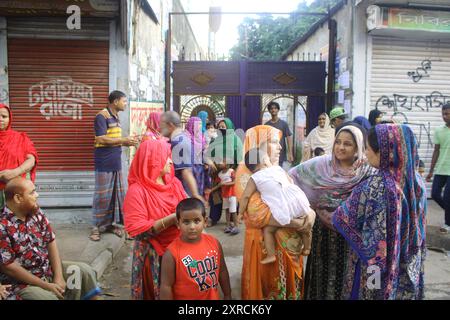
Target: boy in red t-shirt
[[226, 176], [194, 265]]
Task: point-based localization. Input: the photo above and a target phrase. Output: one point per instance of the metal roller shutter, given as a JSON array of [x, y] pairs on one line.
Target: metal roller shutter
[[410, 80], [56, 28], [56, 88]]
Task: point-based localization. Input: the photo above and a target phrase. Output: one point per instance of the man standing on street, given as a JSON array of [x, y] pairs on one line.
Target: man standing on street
[[440, 167], [274, 109], [181, 152], [109, 193]]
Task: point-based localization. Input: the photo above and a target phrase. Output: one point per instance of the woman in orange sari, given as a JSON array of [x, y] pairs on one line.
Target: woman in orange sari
[[282, 279]]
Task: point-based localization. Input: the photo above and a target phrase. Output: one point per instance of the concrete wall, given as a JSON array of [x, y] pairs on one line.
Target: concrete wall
[[118, 80], [183, 35], [146, 58], [318, 43], [4, 88], [361, 41], [139, 69], [199, 23]]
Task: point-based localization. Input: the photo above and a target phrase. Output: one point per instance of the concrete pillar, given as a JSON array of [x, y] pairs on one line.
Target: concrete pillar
[[4, 88]]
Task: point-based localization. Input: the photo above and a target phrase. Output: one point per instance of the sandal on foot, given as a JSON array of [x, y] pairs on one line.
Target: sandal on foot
[[117, 231], [95, 235]]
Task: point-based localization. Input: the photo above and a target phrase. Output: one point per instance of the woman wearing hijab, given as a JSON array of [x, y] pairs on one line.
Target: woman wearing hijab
[[198, 147], [203, 115], [281, 280], [327, 181], [384, 220], [153, 130], [363, 122], [18, 157], [375, 117], [321, 136], [149, 207], [227, 146]]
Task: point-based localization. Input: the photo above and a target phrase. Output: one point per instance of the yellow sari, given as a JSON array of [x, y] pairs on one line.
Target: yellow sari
[[282, 279]]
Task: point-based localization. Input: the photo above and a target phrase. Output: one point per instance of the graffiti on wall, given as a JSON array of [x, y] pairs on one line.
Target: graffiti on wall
[[422, 131], [3, 94], [400, 104], [420, 72], [434, 100], [61, 97]]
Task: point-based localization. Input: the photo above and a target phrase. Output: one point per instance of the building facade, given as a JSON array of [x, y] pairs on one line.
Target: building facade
[[56, 75], [393, 56]]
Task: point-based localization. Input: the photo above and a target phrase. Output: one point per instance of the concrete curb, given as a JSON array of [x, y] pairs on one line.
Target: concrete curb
[[437, 239], [101, 263], [99, 255]]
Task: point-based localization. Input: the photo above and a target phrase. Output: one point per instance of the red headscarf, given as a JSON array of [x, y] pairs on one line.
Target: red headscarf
[[147, 201], [14, 148], [153, 126]]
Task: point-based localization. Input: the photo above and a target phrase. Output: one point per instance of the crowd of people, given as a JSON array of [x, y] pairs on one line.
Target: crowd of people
[[355, 207]]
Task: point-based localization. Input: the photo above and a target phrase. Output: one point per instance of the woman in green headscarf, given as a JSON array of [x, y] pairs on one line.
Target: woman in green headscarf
[[227, 146]]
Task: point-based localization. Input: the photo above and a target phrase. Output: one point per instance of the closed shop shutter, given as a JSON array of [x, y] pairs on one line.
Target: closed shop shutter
[[410, 81], [56, 88], [56, 28]]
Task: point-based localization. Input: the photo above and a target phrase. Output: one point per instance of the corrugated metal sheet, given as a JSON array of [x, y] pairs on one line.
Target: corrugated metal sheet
[[414, 101], [60, 74], [56, 28]]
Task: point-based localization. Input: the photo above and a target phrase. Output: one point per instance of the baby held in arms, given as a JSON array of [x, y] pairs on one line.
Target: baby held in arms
[[287, 202]]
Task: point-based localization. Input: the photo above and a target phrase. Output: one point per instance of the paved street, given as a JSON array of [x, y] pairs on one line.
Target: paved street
[[73, 242], [96, 96], [116, 279]]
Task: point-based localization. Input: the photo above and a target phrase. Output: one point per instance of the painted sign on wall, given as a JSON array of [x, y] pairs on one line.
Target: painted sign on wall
[[419, 20], [407, 19], [139, 113], [61, 97]]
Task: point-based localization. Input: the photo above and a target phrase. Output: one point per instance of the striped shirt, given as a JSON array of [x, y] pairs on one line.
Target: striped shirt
[[107, 159]]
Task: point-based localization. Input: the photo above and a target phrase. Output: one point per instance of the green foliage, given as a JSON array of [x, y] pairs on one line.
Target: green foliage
[[266, 38]]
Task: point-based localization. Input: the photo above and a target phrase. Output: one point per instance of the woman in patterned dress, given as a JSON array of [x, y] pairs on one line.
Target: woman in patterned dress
[[281, 280], [327, 181], [383, 220]]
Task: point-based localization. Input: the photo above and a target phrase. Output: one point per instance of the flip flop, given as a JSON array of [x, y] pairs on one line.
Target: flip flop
[[117, 231], [95, 235]]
